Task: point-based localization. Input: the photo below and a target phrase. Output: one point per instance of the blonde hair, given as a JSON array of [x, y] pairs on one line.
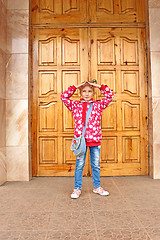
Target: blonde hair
[[87, 84], [82, 87]]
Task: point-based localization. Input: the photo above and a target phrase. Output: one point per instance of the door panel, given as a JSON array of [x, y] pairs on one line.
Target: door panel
[[59, 11], [124, 121], [115, 11], [57, 63]]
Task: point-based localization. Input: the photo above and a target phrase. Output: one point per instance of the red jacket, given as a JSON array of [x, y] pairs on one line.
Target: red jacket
[[93, 132]]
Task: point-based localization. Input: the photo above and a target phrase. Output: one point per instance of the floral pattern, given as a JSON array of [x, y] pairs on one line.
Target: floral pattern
[[93, 131]]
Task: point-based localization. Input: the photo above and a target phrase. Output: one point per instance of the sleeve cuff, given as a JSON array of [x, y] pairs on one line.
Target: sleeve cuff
[[102, 88], [73, 88]]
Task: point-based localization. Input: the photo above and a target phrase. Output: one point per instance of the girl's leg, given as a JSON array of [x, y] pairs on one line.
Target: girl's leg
[[95, 157], [80, 162]]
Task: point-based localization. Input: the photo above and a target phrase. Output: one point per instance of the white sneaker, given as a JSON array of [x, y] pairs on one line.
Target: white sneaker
[[76, 193], [100, 191]]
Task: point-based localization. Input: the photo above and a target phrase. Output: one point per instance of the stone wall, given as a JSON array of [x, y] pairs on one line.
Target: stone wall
[[17, 90], [3, 39], [154, 29]]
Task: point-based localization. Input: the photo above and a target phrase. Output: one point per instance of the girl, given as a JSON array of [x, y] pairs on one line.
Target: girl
[[93, 134]]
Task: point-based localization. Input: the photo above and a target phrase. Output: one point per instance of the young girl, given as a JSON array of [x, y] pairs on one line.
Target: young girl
[[93, 134]]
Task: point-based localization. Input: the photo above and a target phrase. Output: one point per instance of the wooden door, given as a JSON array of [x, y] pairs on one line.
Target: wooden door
[[118, 59], [79, 40], [87, 11], [60, 59]]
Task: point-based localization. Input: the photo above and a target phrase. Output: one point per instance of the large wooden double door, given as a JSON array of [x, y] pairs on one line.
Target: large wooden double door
[[68, 55]]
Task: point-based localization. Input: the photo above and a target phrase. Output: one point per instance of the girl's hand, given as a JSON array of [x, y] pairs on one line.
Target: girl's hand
[[95, 85], [80, 85], [92, 84]]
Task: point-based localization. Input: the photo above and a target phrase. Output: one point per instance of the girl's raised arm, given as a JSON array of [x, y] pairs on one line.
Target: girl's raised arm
[[106, 91], [66, 95]]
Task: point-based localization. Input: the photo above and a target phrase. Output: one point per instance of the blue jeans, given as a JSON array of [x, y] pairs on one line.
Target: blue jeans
[[80, 162]]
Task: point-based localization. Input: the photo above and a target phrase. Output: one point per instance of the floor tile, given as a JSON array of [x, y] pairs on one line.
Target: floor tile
[[9, 235], [26, 205], [64, 202], [28, 221], [111, 202], [12, 206], [123, 234], [33, 235], [38, 193], [39, 200], [149, 218], [154, 233], [144, 202], [116, 220], [42, 183], [72, 220], [4, 216], [7, 193], [132, 190], [42, 209], [139, 182], [86, 234]]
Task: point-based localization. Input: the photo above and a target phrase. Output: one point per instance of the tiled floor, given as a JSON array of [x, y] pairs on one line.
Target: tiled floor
[[43, 210]]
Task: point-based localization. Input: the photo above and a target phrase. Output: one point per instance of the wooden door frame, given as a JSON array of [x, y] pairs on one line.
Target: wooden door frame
[[32, 134], [149, 82]]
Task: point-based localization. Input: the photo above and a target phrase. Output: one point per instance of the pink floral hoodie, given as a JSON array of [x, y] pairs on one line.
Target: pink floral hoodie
[[93, 132]]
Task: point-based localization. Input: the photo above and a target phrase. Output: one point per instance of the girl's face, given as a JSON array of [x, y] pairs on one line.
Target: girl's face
[[87, 93]]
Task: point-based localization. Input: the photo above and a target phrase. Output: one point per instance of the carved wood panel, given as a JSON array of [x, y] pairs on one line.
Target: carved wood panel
[[47, 51], [109, 150], [105, 6], [48, 151], [109, 117], [131, 149], [69, 157], [131, 116], [130, 83], [107, 78], [61, 11], [70, 52], [118, 59], [106, 51], [57, 64], [127, 6], [48, 117], [129, 51], [87, 11], [47, 83], [116, 11]]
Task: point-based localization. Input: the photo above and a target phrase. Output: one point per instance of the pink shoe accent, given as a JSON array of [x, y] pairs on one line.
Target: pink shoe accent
[[76, 193], [100, 191]]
